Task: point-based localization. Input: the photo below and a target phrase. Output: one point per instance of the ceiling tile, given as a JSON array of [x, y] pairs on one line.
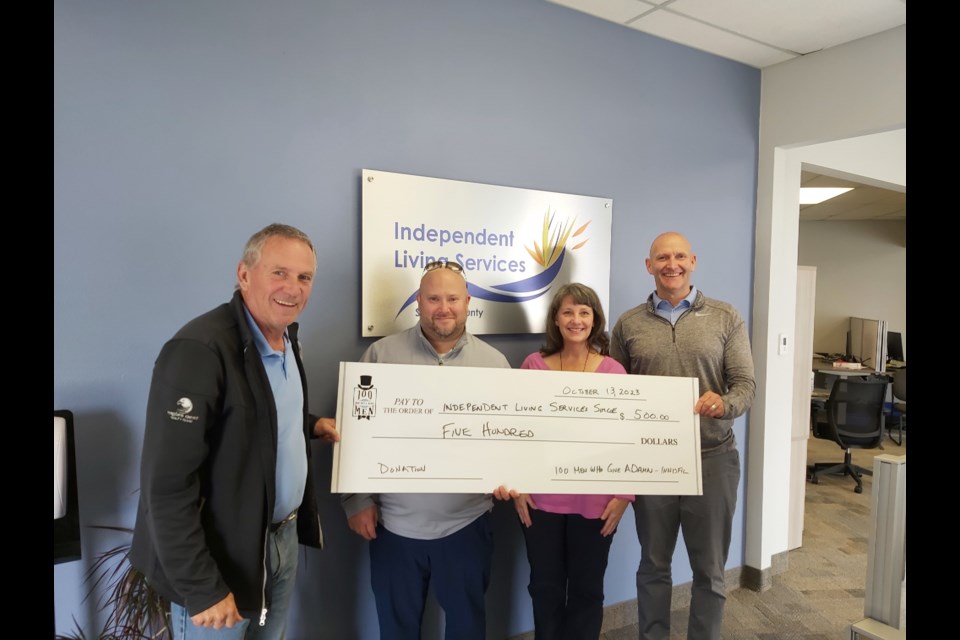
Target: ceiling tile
[[758, 33], [698, 35], [619, 11], [803, 26], [864, 202]]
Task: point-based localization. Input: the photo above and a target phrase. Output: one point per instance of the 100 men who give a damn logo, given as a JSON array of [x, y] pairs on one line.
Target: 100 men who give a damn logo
[[365, 399]]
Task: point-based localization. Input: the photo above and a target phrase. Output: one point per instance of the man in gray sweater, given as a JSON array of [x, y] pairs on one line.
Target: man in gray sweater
[[680, 332], [419, 538]]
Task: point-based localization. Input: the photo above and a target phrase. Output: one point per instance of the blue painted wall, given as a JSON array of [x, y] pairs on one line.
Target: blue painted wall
[[180, 128]]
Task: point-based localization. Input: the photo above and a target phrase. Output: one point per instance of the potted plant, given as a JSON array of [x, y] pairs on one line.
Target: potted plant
[[134, 610]]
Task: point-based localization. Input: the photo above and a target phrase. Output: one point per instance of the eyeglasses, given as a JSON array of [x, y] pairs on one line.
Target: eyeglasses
[[456, 267]]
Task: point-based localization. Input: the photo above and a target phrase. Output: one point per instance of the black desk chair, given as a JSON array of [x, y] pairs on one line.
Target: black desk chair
[[853, 418], [899, 402]]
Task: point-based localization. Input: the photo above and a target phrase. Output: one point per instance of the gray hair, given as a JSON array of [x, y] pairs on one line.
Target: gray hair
[[254, 247]]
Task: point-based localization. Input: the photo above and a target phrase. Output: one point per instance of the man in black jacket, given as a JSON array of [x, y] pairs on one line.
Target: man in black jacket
[[226, 490]]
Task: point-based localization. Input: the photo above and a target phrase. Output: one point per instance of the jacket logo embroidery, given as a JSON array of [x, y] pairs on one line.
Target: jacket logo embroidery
[[182, 412]]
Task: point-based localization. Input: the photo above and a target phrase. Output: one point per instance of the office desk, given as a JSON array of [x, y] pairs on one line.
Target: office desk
[[818, 402], [822, 383], [822, 366], [819, 395], [824, 374]]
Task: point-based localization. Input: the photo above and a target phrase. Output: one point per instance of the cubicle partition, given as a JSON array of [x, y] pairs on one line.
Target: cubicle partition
[[867, 342]]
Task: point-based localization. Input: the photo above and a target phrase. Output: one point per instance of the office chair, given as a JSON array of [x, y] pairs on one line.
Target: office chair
[[853, 418], [899, 408]]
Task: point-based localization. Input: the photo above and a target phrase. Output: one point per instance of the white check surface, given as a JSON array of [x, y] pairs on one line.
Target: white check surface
[[433, 429]]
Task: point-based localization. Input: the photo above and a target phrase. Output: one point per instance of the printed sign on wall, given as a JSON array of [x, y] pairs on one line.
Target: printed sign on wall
[[516, 246]]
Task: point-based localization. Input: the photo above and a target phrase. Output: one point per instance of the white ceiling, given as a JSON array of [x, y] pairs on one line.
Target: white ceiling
[[760, 33], [864, 202]]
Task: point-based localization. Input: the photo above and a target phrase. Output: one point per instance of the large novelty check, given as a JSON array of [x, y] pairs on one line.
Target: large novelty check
[[415, 429]]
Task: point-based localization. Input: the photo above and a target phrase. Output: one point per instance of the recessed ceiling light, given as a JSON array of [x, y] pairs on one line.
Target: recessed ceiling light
[[816, 195]]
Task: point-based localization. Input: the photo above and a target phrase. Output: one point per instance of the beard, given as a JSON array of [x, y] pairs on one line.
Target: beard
[[444, 333]]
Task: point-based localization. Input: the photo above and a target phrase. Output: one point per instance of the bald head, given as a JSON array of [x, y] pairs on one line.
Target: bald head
[[671, 263], [447, 279], [669, 238]]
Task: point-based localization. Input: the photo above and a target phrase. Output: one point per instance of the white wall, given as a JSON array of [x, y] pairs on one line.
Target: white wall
[[861, 272], [854, 90]]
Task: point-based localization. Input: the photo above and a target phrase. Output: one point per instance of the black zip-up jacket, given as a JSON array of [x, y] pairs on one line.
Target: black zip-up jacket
[[207, 477]]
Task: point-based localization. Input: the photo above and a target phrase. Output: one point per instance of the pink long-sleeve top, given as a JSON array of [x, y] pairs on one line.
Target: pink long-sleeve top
[[588, 506]]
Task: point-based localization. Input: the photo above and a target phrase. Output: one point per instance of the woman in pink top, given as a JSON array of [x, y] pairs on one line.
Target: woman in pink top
[[568, 537]]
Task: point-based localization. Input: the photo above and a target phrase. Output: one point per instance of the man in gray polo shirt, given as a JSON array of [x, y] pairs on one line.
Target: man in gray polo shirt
[[416, 538]]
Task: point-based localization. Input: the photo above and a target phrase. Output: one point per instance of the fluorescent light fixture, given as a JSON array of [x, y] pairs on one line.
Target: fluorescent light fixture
[[816, 195]]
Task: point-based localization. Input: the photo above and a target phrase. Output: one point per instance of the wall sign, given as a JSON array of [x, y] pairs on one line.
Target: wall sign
[[515, 245]]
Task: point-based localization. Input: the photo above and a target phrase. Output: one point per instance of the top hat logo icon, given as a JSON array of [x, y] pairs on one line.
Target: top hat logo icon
[[366, 382]]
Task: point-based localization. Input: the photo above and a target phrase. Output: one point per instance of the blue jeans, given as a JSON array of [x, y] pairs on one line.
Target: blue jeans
[[282, 547]]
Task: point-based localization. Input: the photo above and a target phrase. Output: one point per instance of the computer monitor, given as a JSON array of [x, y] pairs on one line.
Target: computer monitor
[[895, 346]]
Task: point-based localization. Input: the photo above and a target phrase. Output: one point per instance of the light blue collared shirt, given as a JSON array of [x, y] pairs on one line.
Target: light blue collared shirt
[[672, 313], [287, 388]]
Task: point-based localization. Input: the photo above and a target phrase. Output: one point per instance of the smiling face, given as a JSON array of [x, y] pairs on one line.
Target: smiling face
[[276, 289], [671, 263], [442, 302], [575, 321]]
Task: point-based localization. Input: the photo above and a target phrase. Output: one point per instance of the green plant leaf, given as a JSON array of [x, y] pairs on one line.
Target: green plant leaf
[[134, 610]]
